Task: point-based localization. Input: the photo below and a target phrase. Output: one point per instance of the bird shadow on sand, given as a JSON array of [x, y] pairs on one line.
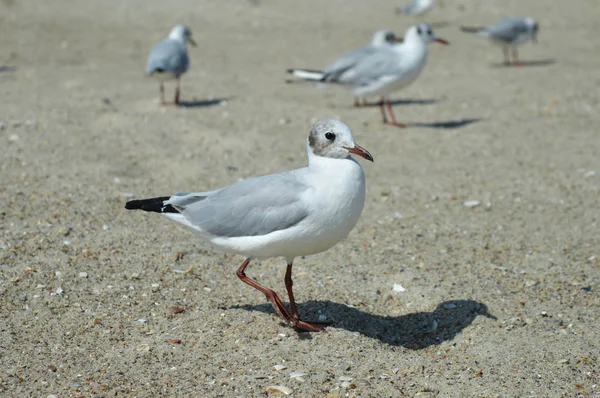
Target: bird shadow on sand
[[4, 68], [448, 124], [428, 101], [526, 64], [203, 103], [413, 331]]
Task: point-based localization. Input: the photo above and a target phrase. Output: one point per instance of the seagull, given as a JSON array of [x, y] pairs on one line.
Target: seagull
[[388, 69], [381, 39], [416, 7], [169, 59], [290, 214], [508, 33]]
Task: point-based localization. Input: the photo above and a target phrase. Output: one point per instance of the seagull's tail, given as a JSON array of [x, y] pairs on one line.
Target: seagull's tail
[[307, 74], [471, 29], [155, 205]]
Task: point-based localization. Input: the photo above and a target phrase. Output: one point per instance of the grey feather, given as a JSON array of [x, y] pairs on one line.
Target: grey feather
[[409, 9], [381, 39], [381, 63], [254, 207], [169, 55], [507, 30], [345, 62]]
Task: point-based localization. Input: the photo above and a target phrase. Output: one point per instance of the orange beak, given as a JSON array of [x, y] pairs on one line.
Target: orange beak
[[442, 41], [360, 151]]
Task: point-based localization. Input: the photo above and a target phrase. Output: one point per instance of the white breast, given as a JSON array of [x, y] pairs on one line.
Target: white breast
[[335, 205]]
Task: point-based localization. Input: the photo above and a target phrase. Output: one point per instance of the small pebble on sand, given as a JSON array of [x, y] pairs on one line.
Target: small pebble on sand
[[471, 203]]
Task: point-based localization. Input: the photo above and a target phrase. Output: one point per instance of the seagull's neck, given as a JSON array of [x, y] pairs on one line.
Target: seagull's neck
[[316, 162], [413, 45], [412, 50]]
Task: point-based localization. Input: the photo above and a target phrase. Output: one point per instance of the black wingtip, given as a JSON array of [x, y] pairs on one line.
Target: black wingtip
[[133, 205], [155, 205]]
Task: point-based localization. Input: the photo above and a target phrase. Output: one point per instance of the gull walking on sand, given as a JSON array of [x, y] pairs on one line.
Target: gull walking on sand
[[290, 214], [508, 33], [388, 69], [381, 39], [169, 59]]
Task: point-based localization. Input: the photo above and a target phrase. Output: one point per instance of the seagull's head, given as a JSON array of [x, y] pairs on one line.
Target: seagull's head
[[333, 139], [183, 33], [423, 33], [533, 27], [384, 37]]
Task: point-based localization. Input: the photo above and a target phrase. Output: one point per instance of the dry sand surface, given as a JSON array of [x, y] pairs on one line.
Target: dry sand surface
[[94, 300]]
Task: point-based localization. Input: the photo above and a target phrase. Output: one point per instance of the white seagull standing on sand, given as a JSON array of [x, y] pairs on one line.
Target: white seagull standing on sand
[[388, 69], [169, 59], [416, 7], [508, 33], [295, 213], [381, 39]]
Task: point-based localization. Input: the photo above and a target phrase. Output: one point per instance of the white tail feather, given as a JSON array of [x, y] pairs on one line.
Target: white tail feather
[[307, 74]]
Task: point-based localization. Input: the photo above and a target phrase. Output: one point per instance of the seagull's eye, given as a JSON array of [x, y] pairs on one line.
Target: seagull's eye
[[330, 136], [430, 32], [418, 30]]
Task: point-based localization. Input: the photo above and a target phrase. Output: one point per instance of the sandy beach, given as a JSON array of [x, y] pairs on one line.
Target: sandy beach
[[484, 211]]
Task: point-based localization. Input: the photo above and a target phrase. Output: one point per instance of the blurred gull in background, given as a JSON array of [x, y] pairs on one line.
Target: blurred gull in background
[[508, 33], [387, 69], [169, 59], [381, 39], [416, 7]]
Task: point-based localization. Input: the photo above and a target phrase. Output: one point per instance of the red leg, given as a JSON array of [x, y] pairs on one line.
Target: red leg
[[162, 95], [505, 52], [515, 54], [270, 294], [394, 122], [296, 321], [177, 90], [381, 103]]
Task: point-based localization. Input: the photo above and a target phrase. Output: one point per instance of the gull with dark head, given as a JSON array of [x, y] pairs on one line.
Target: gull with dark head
[[169, 59], [381, 39], [508, 33], [290, 214]]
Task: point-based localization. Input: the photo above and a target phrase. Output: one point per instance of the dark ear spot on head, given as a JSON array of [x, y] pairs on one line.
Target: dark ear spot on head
[[311, 139]]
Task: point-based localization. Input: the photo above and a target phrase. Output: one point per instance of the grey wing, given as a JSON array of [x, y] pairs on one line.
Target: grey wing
[[508, 29], [182, 199], [378, 65], [168, 56], [254, 207], [410, 8], [333, 72], [345, 62]]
